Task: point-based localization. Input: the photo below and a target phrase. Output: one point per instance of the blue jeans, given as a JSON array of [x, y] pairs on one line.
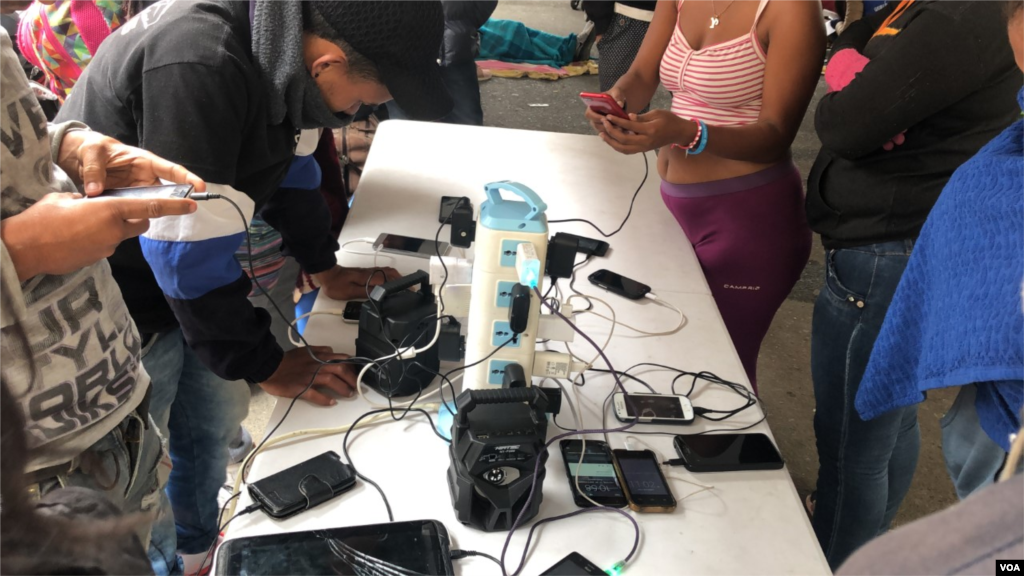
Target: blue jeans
[[200, 413], [460, 80], [864, 467], [972, 458], [130, 469]]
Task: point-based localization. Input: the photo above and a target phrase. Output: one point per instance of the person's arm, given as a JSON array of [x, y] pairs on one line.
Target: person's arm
[[474, 13], [857, 34], [64, 232], [600, 13], [930, 65], [298, 211], [847, 59], [638, 84], [797, 44], [195, 115], [14, 309]]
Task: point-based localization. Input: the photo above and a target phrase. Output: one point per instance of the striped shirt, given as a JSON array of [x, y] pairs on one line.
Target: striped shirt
[[721, 84]]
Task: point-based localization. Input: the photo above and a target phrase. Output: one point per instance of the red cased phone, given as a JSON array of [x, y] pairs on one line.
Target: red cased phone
[[603, 104]]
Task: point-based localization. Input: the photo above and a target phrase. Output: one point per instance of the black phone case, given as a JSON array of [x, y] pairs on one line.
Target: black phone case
[[303, 486]]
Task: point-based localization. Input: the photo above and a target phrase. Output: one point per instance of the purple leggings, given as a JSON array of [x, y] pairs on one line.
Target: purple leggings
[[752, 240]]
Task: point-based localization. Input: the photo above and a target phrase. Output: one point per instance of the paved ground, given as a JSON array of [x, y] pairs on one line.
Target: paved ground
[[784, 368]]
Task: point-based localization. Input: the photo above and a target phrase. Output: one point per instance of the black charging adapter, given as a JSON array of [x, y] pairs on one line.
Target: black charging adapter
[[519, 309]]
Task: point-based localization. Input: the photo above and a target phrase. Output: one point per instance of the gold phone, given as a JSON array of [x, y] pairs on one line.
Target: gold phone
[[642, 481]]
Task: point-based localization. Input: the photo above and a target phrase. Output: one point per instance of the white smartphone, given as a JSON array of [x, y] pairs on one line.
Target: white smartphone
[[409, 246], [653, 408]]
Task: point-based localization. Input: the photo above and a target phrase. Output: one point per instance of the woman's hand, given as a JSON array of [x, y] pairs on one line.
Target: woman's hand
[[596, 118], [648, 131]]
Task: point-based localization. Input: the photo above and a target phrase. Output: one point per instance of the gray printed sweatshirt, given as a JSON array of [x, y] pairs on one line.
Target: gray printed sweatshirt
[[82, 342]]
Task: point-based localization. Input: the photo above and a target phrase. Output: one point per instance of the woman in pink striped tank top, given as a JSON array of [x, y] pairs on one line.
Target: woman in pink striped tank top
[[741, 73]]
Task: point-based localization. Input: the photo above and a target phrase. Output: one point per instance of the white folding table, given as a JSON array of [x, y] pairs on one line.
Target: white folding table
[[750, 523]]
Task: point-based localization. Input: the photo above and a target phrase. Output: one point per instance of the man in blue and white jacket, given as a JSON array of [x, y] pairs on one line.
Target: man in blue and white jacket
[[223, 88]]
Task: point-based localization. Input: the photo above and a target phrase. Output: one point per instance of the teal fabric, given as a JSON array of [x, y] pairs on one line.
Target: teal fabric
[[511, 41]]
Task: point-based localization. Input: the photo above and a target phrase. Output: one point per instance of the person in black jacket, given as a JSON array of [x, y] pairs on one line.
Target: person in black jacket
[[915, 91], [223, 88], [462, 22]]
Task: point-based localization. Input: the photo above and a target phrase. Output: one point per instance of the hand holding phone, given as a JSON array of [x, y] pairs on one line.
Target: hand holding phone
[[168, 191], [62, 233], [603, 104]]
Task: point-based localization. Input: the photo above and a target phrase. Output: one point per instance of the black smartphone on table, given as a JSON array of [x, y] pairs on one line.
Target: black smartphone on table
[[597, 474], [642, 481], [727, 452], [416, 547], [303, 486], [619, 284], [410, 246], [352, 311], [574, 565]]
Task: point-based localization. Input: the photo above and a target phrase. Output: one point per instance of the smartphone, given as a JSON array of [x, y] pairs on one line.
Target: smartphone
[[168, 191], [653, 408], [618, 284], [352, 311], [409, 246], [416, 547], [603, 104], [574, 565], [727, 452], [303, 486], [641, 479], [448, 204], [597, 474]]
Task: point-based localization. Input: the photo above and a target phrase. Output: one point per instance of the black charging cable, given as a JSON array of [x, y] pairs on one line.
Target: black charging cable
[[629, 213], [203, 196], [460, 554], [248, 510], [437, 249], [360, 475]]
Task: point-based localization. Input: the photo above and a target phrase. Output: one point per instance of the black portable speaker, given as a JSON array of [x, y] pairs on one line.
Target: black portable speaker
[[497, 438], [396, 317]]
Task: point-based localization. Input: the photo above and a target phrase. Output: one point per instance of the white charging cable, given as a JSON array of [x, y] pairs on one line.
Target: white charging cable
[[650, 295]]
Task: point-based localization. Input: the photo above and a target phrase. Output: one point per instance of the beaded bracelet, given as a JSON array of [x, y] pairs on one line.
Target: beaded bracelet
[[700, 139], [703, 139]]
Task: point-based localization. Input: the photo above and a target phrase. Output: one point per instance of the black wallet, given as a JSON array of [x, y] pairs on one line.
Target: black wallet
[[303, 486]]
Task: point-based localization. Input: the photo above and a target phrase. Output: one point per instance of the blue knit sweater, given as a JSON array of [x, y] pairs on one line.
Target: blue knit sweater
[[956, 317]]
